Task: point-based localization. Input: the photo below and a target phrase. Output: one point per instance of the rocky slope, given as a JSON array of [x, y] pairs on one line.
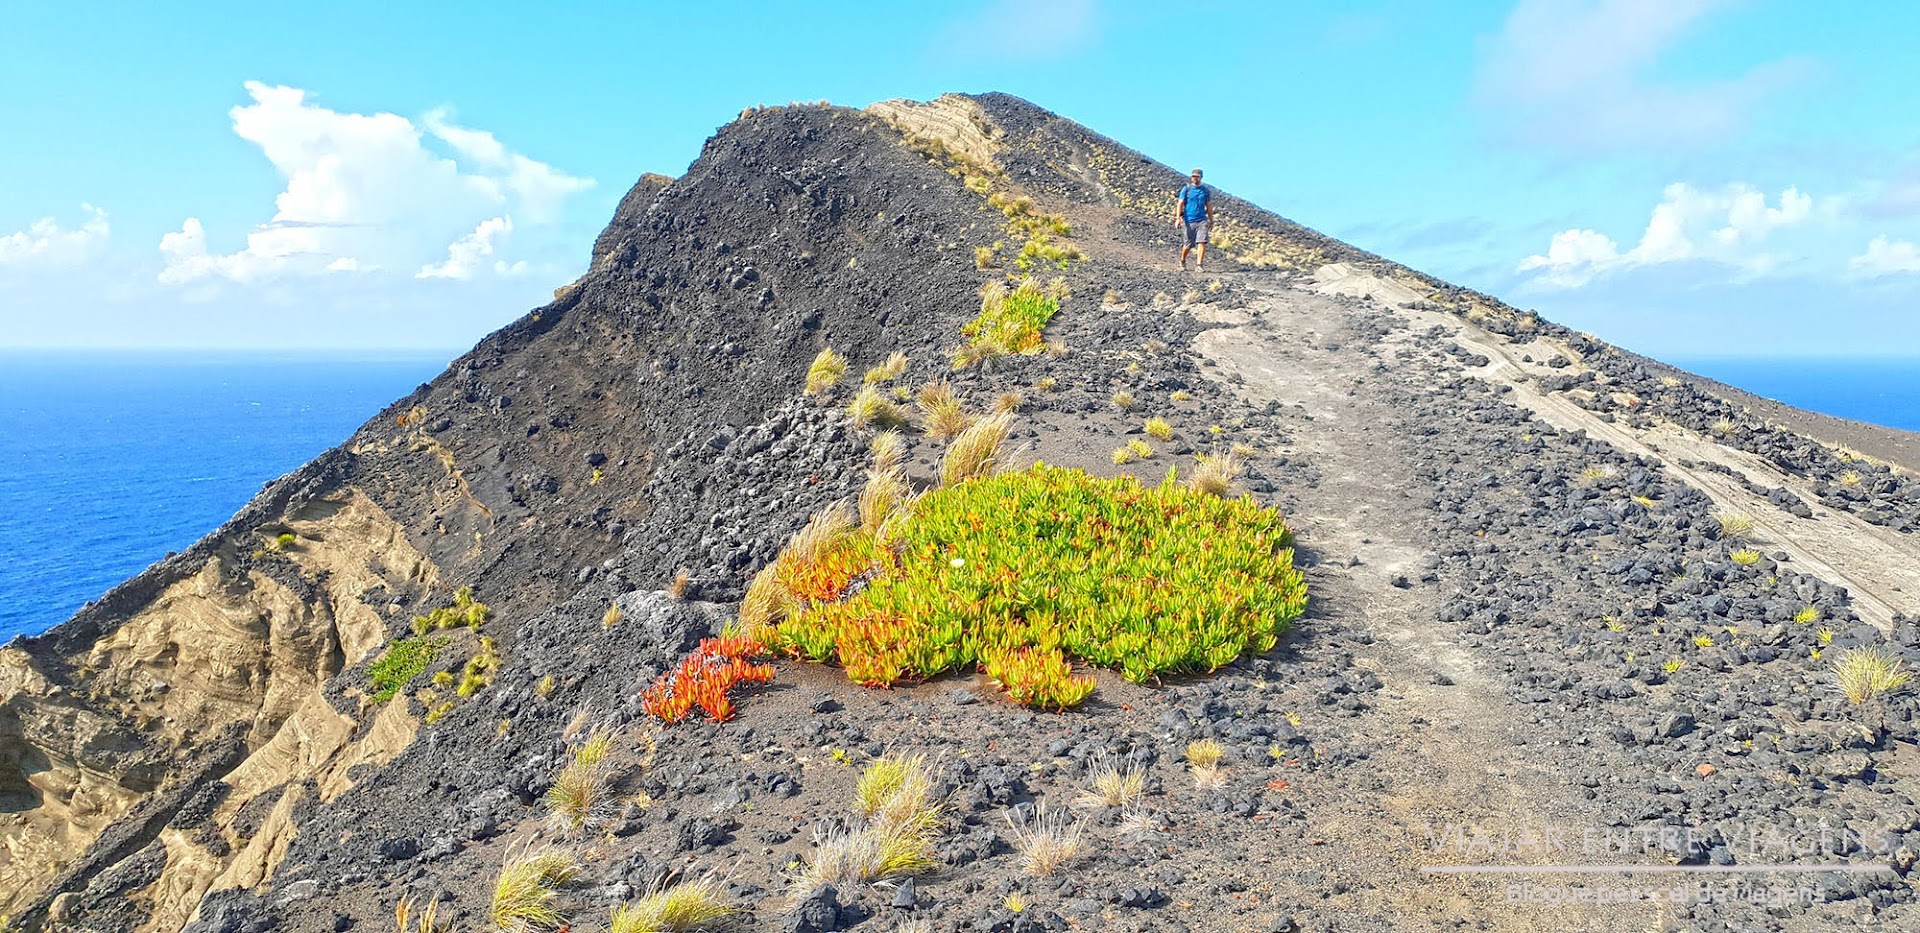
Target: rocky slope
[[1524, 618]]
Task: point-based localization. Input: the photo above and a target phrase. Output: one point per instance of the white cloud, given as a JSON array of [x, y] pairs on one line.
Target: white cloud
[[1573, 74], [364, 192], [1727, 227], [470, 253], [1886, 257], [45, 243]]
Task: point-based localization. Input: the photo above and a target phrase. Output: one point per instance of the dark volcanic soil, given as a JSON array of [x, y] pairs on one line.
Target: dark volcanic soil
[[1528, 646]]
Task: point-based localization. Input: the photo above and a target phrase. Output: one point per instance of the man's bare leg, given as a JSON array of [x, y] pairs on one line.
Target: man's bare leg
[[1183, 256], [1199, 263]]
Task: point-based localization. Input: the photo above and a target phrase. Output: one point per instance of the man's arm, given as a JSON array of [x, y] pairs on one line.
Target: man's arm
[[1180, 206], [1208, 203]]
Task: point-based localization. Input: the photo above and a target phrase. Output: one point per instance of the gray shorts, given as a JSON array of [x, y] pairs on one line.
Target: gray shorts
[[1196, 232]]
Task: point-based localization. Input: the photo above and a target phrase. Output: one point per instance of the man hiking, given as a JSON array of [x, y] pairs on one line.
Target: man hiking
[[1196, 214]]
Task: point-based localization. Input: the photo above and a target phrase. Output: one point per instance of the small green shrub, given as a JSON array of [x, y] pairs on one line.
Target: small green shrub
[[465, 611], [400, 664], [1010, 321]]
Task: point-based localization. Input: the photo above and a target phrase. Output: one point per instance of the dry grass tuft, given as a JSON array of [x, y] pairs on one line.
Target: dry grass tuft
[[941, 416], [976, 452], [1214, 475], [1047, 840], [404, 918], [523, 897], [1745, 557], [765, 603], [825, 373], [1158, 429], [894, 366], [578, 798], [889, 448], [870, 409], [1850, 479], [1181, 395], [1123, 400], [611, 617], [1007, 402], [983, 257], [895, 796], [1203, 759], [1111, 299], [1734, 526], [1046, 383], [690, 905], [1113, 784], [678, 588], [1866, 673], [885, 494], [1123, 456]]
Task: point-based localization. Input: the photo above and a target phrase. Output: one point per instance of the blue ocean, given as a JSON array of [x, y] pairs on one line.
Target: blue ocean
[[109, 461]]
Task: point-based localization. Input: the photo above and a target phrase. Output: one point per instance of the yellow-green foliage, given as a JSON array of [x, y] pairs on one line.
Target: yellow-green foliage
[[1123, 456], [578, 797], [690, 905], [888, 448], [523, 897], [403, 660], [891, 369], [1046, 383], [611, 617], [1122, 400], [1042, 249], [1010, 322], [870, 409], [464, 611], [1181, 395], [983, 257], [1205, 753], [976, 452], [478, 674], [1018, 571], [1158, 429], [1745, 557], [941, 416], [1865, 673], [1141, 449], [1807, 614], [1850, 478], [1734, 525], [825, 372]]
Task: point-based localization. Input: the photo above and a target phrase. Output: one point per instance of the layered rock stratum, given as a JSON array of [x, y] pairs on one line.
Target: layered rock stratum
[[1529, 643]]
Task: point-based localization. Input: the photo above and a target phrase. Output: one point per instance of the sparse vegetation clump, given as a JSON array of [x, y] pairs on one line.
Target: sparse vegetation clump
[[1011, 321], [826, 371], [1017, 572], [1122, 400], [892, 368], [1745, 557], [1158, 429], [578, 797], [976, 452], [465, 611], [1047, 840], [700, 904], [899, 823], [1867, 673], [1734, 526], [1203, 760], [871, 409], [403, 660], [941, 416], [525, 893], [1215, 473], [1113, 784], [706, 678]]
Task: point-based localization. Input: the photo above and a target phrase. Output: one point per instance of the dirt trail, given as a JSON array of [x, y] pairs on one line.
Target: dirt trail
[[1453, 752]]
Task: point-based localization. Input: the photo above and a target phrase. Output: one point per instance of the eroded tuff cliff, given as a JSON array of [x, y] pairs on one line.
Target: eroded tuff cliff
[[199, 749]]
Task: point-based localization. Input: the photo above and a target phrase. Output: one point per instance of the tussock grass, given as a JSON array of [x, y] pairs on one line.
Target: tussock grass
[[1806, 615], [678, 588], [1047, 840], [1046, 383], [976, 452], [1158, 429], [1850, 479], [1112, 784], [901, 820], [871, 409], [579, 796], [524, 894], [941, 416], [1745, 557], [1866, 673], [884, 495], [1181, 395], [983, 257], [1734, 526], [893, 368], [1203, 760], [611, 617], [826, 371], [405, 918], [888, 448], [1007, 402], [1122, 400], [1214, 475], [1141, 449], [1724, 426], [700, 904], [1123, 456]]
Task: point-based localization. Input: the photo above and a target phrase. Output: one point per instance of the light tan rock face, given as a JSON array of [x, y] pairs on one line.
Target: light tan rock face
[[246, 642], [958, 122]]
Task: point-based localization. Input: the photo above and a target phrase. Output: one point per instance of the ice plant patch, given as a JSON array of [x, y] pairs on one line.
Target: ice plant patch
[[705, 679], [1019, 572]]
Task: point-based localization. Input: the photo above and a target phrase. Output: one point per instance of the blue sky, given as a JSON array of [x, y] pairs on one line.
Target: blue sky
[[1684, 177]]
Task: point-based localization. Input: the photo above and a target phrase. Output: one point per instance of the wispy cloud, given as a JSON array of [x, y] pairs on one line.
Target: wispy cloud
[[1886, 257], [364, 193], [1023, 29], [1579, 75], [1727, 227], [46, 244]]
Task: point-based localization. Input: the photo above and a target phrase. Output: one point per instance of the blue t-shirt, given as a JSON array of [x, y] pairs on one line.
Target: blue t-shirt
[[1193, 201]]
